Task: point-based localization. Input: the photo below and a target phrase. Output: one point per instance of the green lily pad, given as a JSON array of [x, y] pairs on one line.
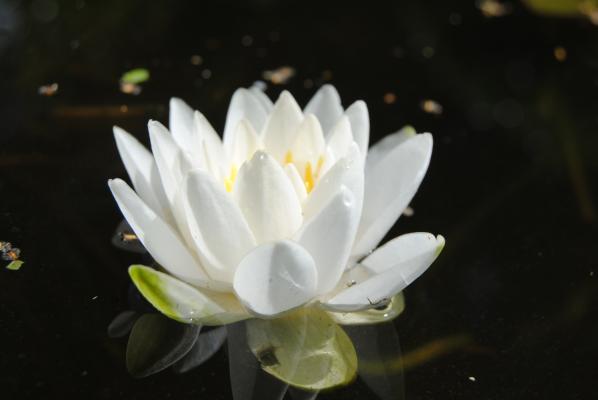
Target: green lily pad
[[305, 349], [183, 302], [156, 343], [374, 315], [135, 76], [15, 265]]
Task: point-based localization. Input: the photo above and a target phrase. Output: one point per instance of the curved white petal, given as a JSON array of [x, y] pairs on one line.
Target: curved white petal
[[182, 127], [394, 266], [309, 142], [276, 277], [387, 144], [340, 137], [142, 170], [328, 237], [262, 98], [217, 226], [243, 104], [347, 172], [267, 199], [281, 126], [157, 236], [296, 181], [246, 142], [360, 125], [390, 185], [326, 105]]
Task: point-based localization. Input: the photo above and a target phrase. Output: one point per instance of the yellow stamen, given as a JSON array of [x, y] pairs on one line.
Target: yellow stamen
[[288, 158], [309, 178], [230, 180]]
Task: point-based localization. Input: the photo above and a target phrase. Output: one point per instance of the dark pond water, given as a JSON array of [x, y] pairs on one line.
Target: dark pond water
[[508, 311]]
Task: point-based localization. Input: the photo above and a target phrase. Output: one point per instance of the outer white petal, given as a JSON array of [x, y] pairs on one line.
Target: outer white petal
[[218, 229], [142, 170], [243, 104], [347, 172], [157, 236], [276, 277], [281, 126], [210, 143], [171, 161], [296, 181], [328, 237], [246, 142], [387, 144], [394, 266], [340, 137], [309, 142], [267, 199], [181, 126], [360, 125], [390, 185], [326, 105]]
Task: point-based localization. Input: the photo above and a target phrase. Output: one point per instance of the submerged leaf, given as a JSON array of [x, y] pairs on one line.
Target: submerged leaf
[[122, 324], [182, 302], [374, 315], [157, 342], [306, 349], [134, 76]]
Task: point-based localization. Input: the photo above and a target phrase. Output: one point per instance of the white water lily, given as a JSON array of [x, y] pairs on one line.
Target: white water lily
[[283, 212]]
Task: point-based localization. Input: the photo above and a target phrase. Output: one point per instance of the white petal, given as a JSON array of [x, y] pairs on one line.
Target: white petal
[[171, 161], [360, 125], [328, 237], [276, 277], [347, 172], [340, 137], [142, 170], [281, 126], [326, 105], [262, 98], [267, 199], [182, 127], [243, 105], [296, 181], [388, 143], [157, 236], [394, 266], [218, 229], [390, 185], [246, 142], [309, 142]]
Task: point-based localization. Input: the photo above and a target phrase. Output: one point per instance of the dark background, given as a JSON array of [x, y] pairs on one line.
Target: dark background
[[507, 311]]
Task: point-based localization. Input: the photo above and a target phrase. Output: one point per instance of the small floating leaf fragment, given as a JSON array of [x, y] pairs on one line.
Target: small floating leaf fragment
[[560, 53], [493, 8], [279, 76], [48, 90], [15, 265], [135, 76], [390, 98], [431, 107]]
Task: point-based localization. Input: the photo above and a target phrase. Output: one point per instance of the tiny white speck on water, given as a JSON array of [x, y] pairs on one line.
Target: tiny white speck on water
[[471, 378]]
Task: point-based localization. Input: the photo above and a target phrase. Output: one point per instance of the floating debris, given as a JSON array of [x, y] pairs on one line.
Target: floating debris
[[408, 212], [431, 107], [48, 90], [472, 378], [15, 265], [206, 74], [279, 76], [493, 8], [560, 53], [9, 253], [129, 81], [390, 98], [196, 59], [128, 237]]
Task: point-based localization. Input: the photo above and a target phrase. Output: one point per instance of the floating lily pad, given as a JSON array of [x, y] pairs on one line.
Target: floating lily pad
[[135, 76], [306, 349], [156, 343], [184, 303], [372, 316]]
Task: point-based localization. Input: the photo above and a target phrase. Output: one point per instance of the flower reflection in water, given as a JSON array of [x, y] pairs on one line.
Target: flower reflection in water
[[295, 356]]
